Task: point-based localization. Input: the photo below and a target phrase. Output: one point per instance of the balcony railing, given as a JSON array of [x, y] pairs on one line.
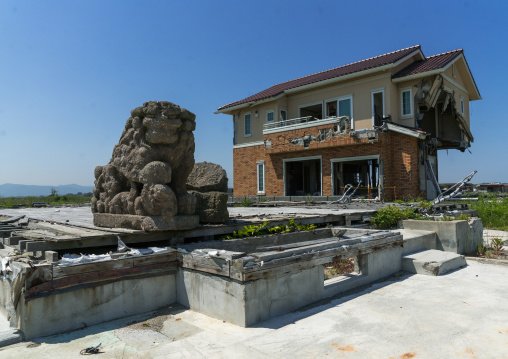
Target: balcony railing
[[307, 121]]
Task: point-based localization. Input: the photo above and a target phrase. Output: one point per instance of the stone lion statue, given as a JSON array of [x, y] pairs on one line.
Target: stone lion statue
[[148, 170]]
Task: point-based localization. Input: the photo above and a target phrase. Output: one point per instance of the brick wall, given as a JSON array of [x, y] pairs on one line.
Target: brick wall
[[398, 152]]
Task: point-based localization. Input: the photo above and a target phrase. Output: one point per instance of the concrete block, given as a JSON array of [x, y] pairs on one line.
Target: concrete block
[[215, 296], [87, 306], [462, 237], [432, 262], [247, 303], [267, 298]]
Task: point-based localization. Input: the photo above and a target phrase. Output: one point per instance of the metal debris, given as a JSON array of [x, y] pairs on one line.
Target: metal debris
[[90, 350]]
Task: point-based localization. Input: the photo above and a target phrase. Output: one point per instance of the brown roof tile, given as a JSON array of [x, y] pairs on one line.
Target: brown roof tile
[[358, 66], [430, 63]]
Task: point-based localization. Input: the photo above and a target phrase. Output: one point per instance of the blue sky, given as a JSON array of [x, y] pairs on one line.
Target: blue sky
[[71, 71]]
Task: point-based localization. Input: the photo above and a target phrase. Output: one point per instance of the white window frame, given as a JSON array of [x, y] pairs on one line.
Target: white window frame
[[245, 134], [312, 104], [273, 116], [338, 99], [258, 164], [410, 114], [462, 105], [372, 93]]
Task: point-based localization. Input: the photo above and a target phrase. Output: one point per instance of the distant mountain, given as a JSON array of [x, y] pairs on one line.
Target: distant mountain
[[21, 190]]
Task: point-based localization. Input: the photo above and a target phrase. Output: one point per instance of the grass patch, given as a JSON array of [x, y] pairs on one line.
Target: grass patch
[[263, 229], [389, 217], [493, 212], [13, 202]]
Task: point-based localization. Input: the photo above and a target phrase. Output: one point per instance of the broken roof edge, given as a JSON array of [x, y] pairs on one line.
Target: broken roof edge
[[440, 70], [416, 49]]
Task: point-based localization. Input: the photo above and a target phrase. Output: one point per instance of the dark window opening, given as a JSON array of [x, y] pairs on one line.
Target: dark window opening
[[316, 111], [303, 178]]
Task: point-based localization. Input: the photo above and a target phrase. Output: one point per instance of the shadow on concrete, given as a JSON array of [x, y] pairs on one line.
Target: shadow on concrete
[[333, 301], [67, 337]]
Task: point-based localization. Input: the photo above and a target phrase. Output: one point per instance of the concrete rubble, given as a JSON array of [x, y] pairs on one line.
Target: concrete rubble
[[208, 182]]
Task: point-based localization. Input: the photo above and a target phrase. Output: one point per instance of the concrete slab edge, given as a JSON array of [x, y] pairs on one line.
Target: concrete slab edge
[[498, 262]]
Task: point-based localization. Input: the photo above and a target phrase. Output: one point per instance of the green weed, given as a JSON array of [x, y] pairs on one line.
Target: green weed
[[388, 217], [263, 229], [493, 212], [11, 202]]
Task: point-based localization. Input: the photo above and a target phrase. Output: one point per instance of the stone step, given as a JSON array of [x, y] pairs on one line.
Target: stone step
[[432, 262], [417, 240]]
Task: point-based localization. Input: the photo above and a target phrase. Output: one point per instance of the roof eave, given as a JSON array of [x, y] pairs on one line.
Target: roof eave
[[417, 76], [471, 78], [250, 103], [338, 79]]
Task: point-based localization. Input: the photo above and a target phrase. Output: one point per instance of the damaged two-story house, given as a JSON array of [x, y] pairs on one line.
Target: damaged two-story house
[[377, 123]]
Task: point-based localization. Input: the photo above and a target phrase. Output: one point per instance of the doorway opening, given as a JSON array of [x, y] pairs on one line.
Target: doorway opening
[[360, 171], [302, 177]]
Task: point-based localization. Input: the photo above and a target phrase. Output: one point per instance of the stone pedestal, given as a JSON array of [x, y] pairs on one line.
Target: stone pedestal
[[145, 223]]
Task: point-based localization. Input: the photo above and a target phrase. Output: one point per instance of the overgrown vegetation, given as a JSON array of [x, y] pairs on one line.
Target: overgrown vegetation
[[262, 229], [493, 212], [13, 202], [245, 203], [339, 267], [389, 217]]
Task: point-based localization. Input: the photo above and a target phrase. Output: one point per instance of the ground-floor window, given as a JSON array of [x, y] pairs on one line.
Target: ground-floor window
[[261, 177], [302, 176]]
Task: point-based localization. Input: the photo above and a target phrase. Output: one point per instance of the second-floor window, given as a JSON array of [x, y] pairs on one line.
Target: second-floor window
[[247, 125], [340, 107], [406, 103], [270, 116], [461, 105]]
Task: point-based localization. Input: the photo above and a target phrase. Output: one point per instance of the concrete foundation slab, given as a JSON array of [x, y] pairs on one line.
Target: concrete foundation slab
[[432, 262]]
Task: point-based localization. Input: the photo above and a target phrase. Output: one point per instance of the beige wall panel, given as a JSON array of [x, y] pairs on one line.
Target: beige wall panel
[[360, 90], [256, 123], [458, 78]]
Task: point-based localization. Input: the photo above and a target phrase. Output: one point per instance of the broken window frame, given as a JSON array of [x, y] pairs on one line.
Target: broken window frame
[[268, 113], [261, 183], [247, 131], [409, 105]]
